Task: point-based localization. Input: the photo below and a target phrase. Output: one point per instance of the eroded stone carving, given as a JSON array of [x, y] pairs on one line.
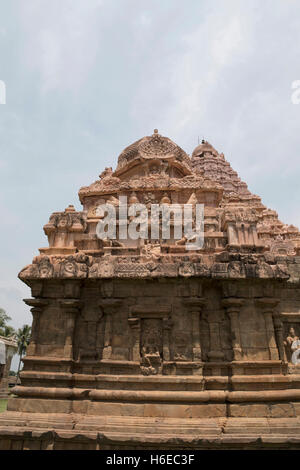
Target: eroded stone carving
[[151, 346]]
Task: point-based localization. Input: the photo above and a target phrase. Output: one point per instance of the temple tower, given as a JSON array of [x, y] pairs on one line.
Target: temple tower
[[148, 343]]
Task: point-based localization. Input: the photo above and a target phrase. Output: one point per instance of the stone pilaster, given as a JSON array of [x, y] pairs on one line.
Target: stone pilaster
[[167, 325], [215, 352], [267, 306], [135, 325], [107, 349], [233, 239], [195, 309], [38, 306], [279, 336], [233, 307], [254, 236], [109, 307], [71, 308]]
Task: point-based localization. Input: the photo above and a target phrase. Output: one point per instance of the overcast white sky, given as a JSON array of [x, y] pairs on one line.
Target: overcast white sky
[[86, 78]]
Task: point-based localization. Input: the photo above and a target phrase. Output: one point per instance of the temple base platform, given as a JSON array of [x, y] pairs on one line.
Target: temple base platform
[[118, 419]]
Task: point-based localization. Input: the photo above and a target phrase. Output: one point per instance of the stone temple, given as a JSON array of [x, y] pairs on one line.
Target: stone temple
[[143, 344]]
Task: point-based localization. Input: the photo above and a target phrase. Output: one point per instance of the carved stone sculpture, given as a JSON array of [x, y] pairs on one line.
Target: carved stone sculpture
[[291, 345]]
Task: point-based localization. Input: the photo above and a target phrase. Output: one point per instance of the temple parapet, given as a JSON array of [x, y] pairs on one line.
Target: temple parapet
[[63, 230], [226, 265]]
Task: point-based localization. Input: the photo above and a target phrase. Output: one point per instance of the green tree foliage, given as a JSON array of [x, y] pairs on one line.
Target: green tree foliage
[[23, 338], [5, 329]]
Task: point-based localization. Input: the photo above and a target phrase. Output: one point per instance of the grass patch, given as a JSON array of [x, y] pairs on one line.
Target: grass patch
[[3, 404]]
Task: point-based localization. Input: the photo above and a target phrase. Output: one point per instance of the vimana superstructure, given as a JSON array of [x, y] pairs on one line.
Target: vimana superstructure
[[143, 344]]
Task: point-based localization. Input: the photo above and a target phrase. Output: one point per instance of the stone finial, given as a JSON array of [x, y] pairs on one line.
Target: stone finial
[[70, 208]]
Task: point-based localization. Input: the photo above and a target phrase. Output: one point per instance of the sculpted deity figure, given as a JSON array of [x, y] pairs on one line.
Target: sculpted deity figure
[[151, 360], [63, 221], [69, 268], [154, 170], [292, 344], [45, 268], [149, 199], [151, 250]]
